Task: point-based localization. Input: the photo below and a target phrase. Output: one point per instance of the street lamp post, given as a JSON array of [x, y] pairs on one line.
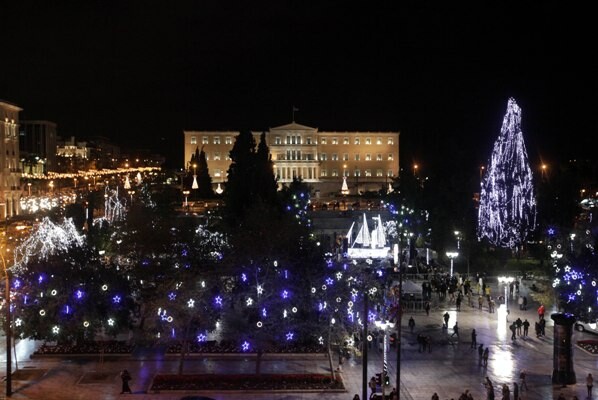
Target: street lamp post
[[131, 192], [7, 327], [29, 187], [452, 255], [383, 325], [458, 236]]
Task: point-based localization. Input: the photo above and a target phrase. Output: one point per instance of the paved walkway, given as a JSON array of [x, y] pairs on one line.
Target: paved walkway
[[449, 369]]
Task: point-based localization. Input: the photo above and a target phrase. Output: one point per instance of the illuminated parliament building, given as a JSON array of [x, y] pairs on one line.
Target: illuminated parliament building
[[368, 160]]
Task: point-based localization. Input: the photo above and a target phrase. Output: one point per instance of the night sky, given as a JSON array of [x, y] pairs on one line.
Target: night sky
[[438, 72]]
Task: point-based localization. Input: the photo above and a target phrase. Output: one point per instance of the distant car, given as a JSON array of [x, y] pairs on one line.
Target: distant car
[[585, 326]]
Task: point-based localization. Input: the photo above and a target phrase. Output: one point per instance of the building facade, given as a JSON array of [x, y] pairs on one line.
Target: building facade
[[10, 173], [321, 159], [37, 141]]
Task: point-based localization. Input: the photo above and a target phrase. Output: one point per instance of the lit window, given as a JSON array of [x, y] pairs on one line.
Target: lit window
[[216, 139], [390, 157], [379, 172], [368, 157], [357, 141], [323, 157], [193, 140], [357, 157], [205, 140], [391, 140], [228, 140], [357, 173], [323, 140], [334, 157], [334, 172], [334, 140], [345, 156], [207, 156], [277, 140], [216, 155], [308, 140], [389, 172], [227, 157], [378, 157], [323, 172], [368, 140], [346, 140], [379, 140], [368, 172]]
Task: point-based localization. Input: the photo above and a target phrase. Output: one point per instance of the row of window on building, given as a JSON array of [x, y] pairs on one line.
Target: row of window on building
[[356, 173], [295, 155], [297, 140]]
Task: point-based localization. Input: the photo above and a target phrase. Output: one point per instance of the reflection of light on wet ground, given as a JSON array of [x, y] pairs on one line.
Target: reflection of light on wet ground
[[502, 363], [501, 326]]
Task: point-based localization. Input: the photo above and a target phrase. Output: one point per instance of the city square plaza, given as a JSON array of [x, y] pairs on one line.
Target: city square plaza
[[451, 367]]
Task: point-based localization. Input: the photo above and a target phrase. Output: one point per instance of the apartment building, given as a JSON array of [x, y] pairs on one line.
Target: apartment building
[[368, 160], [10, 184]]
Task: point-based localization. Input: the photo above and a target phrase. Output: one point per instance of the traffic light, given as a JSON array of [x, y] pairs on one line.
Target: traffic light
[[386, 380]]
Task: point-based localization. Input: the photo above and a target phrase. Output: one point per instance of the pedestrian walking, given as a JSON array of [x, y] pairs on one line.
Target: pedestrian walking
[[515, 391], [525, 327], [474, 341], [435, 396], [481, 352], [489, 389], [513, 329], [446, 317], [458, 302], [485, 356], [356, 397], [522, 380], [372, 385], [589, 384], [541, 310], [524, 303], [543, 327], [411, 324], [520, 302], [428, 343], [125, 377], [480, 302], [427, 308], [506, 392], [518, 324], [394, 395], [421, 341]]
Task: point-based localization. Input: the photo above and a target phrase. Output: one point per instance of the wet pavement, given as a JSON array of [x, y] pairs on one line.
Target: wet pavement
[[449, 369]]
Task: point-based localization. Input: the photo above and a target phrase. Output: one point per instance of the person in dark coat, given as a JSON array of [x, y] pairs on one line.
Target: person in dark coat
[[125, 378]]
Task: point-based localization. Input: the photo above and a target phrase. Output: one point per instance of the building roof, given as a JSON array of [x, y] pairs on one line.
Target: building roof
[[293, 126]]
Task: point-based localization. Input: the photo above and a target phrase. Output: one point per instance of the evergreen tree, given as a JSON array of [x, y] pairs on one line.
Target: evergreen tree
[[204, 180], [507, 202], [265, 180]]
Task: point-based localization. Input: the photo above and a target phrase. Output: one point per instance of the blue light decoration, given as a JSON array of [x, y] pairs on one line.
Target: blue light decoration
[[507, 211], [244, 277], [201, 338], [172, 296], [245, 346], [116, 299], [218, 300], [79, 294], [289, 336]]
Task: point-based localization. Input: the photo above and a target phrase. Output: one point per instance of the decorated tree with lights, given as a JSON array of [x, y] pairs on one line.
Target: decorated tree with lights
[[575, 265], [63, 291], [507, 211]]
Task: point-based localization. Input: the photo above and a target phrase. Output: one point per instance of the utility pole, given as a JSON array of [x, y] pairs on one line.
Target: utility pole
[[365, 343]]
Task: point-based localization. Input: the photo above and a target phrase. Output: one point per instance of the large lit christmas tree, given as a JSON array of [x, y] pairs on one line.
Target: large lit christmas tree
[[507, 210]]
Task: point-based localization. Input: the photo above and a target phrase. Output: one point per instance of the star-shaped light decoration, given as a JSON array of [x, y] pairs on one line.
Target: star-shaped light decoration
[[260, 289], [264, 312], [244, 277], [321, 340], [339, 276], [289, 336], [218, 300], [284, 313], [171, 296], [201, 337], [18, 322], [55, 330], [245, 346], [285, 294], [116, 299], [191, 303], [329, 281], [79, 294], [249, 301], [110, 322]]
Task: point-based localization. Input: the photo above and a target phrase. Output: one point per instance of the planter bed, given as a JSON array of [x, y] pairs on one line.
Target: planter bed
[[589, 346], [246, 382], [88, 348]]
